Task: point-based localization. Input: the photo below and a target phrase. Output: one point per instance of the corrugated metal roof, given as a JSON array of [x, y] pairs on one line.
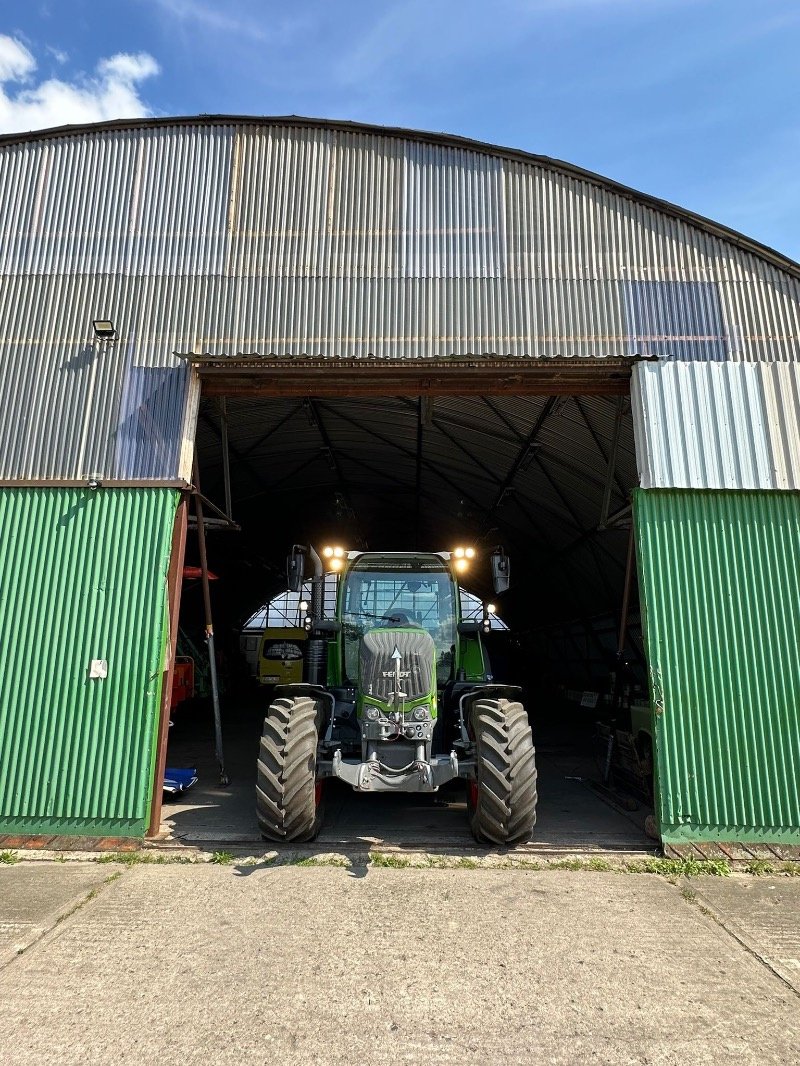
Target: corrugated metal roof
[[422, 136], [717, 425], [720, 594], [84, 578]]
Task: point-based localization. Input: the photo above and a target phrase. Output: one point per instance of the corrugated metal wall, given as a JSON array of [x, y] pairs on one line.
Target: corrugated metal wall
[[717, 425], [83, 578], [720, 593], [282, 238]]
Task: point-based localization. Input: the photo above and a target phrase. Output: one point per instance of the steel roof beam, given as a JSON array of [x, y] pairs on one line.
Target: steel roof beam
[[600, 447], [410, 454], [522, 454]]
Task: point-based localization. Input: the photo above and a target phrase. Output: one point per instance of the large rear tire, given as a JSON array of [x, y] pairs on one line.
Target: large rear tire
[[288, 796], [502, 801]]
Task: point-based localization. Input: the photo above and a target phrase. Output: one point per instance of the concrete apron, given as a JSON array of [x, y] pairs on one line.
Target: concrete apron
[[280, 963], [573, 818]]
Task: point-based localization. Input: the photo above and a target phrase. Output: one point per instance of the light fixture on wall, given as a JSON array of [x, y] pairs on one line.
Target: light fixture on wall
[[104, 329]]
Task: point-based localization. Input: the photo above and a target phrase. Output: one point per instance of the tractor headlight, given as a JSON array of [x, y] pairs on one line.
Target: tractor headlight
[[373, 714], [420, 714]]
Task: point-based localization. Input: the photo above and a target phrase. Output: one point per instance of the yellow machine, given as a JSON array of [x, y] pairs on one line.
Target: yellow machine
[[280, 656]]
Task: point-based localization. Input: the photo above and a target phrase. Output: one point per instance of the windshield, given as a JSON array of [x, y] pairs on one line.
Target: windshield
[[417, 599]]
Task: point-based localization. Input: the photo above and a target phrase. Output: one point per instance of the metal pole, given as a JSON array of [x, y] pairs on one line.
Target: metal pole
[[623, 622], [224, 780], [317, 648], [612, 462], [418, 483], [626, 596], [226, 460]]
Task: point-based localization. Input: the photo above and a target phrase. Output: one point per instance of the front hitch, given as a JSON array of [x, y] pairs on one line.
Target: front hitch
[[375, 776]]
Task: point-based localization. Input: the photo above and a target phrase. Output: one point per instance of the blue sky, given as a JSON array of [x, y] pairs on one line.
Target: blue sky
[[696, 101]]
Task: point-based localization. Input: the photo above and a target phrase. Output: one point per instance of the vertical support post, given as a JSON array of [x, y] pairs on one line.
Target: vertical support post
[[626, 595], [623, 622], [226, 460], [174, 586], [224, 780], [612, 462], [418, 483]]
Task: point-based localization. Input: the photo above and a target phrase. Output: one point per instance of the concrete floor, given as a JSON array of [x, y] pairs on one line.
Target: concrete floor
[[571, 815], [260, 964]]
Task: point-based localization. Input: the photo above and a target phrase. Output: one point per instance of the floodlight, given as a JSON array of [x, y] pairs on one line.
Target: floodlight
[[104, 329]]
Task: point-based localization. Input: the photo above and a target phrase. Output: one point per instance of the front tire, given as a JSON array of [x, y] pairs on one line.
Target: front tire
[[288, 796], [502, 800]]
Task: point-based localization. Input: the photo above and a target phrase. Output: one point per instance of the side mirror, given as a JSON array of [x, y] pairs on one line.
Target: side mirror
[[469, 628], [295, 569], [501, 570]]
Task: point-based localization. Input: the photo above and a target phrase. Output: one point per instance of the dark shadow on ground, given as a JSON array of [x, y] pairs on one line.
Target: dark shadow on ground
[[571, 815]]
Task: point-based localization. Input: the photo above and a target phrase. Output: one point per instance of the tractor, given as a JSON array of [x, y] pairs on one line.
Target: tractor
[[397, 696]]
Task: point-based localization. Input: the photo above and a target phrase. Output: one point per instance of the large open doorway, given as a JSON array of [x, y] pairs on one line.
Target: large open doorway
[[392, 455]]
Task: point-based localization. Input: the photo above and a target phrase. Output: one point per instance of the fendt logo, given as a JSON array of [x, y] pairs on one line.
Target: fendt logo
[[395, 673]]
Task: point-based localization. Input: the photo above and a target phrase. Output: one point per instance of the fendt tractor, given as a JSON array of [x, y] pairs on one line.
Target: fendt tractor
[[397, 696]]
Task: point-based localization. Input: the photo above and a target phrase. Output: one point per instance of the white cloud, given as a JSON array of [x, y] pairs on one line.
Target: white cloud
[[57, 54], [225, 20], [16, 62], [111, 92]]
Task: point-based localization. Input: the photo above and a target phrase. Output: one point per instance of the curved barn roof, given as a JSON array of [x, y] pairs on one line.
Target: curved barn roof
[[426, 137]]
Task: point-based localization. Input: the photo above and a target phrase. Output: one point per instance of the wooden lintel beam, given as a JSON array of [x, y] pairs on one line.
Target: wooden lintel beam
[[391, 384]]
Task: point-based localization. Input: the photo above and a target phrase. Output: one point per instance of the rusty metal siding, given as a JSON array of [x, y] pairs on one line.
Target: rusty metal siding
[[720, 594], [84, 577], [298, 239], [717, 425]]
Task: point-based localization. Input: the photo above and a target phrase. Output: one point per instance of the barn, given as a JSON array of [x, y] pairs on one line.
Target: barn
[[331, 332]]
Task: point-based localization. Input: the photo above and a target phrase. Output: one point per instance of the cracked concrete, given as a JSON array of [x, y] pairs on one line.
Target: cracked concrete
[[369, 965]]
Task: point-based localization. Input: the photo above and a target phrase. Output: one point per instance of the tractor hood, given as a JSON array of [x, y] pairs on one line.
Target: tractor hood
[[397, 665]]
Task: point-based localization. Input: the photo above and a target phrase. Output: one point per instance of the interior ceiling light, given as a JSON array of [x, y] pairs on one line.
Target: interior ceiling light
[[104, 329]]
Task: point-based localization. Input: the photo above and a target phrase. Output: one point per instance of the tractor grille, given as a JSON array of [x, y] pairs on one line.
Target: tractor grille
[[378, 667]]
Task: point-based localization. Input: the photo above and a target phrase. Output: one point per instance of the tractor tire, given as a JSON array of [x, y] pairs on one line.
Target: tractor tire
[[502, 801], [288, 796]]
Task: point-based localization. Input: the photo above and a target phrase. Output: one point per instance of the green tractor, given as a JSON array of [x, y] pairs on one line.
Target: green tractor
[[397, 696]]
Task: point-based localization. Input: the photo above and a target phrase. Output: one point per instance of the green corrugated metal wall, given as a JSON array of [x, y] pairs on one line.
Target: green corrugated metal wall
[[82, 577], [720, 588]]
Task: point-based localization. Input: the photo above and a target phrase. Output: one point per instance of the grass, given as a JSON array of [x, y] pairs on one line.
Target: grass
[[137, 858], [9, 857], [759, 867], [322, 860], [671, 868], [221, 858]]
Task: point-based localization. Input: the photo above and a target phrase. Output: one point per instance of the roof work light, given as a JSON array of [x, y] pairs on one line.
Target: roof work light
[[334, 557], [463, 557]]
